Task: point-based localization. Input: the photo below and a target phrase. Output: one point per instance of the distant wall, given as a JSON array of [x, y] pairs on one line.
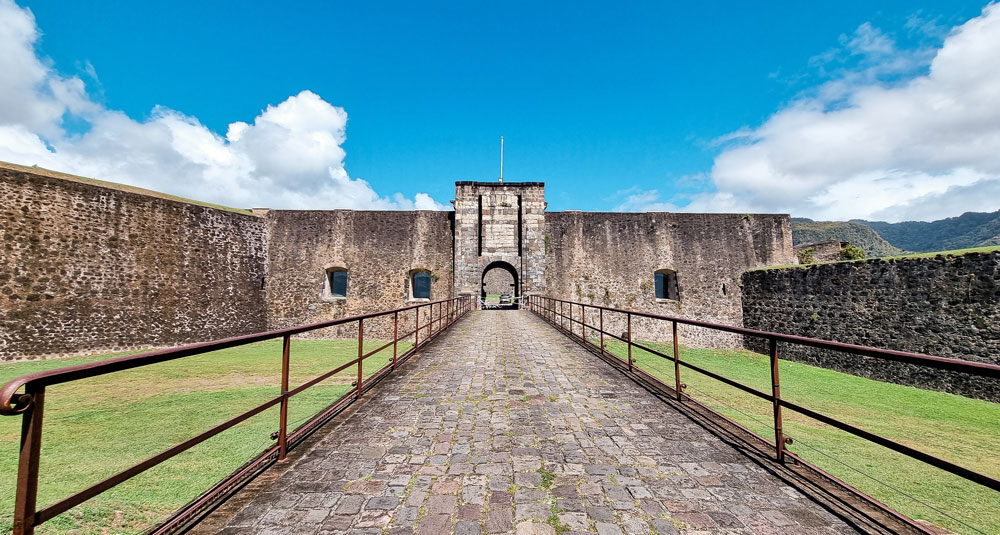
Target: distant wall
[[378, 248], [825, 251], [610, 259], [945, 306], [86, 268], [498, 281]]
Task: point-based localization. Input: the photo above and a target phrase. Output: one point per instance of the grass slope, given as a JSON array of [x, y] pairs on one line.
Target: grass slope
[[962, 430], [99, 426]]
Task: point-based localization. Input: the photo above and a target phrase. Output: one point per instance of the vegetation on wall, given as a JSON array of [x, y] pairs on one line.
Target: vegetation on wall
[[805, 255], [852, 252]]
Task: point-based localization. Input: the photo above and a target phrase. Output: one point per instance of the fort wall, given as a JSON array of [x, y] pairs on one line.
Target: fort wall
[[86, 268], [379, 250], [946, 305], [610, 259]]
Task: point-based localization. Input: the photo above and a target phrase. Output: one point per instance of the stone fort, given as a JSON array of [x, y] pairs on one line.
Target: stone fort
[[88, 267], [92, 268]]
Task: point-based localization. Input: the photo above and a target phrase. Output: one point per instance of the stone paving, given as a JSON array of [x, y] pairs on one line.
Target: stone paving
[[506, 426]]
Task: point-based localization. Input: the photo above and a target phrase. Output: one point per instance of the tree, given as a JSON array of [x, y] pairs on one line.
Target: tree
[[852, 252]]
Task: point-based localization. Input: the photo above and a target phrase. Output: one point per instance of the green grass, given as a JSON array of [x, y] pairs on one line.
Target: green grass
[[962, 430], [955, 252], [99, 426]]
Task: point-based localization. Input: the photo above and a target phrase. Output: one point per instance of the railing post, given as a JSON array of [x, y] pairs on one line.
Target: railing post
[[27, 466], [361, 351], [416, 330], [286, 346], [779, 435], [583, 321], [629, 319], [602, 330], [677, 365], [395, 336]]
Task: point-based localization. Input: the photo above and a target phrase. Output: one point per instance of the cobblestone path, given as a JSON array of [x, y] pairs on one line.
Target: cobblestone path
[[505, 426]]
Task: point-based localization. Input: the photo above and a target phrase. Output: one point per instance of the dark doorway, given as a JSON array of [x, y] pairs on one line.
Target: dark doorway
[[500, 288]]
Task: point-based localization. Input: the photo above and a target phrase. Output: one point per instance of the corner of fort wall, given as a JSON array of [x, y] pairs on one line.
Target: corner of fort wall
[[88, 268]]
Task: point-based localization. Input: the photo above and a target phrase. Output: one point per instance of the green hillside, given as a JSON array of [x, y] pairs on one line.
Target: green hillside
[[971, 229], [859, 234]]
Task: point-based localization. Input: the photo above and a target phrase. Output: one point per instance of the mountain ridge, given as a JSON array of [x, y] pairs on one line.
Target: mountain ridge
[[880, 238]]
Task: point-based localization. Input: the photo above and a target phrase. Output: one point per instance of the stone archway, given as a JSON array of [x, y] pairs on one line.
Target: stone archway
[[489, 273]]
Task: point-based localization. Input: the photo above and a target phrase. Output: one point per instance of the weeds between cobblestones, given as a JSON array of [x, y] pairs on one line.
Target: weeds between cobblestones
[[505, 427]]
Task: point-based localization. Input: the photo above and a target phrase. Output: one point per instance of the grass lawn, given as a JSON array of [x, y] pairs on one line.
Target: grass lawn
[[99, 426], [962, 430]]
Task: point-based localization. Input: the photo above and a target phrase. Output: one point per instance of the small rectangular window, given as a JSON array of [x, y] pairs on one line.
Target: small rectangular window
[[666, 284], [421, 285], [338, 283]]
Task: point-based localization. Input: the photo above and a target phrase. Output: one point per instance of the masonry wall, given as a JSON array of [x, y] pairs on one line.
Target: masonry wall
[[378, 248], [499, 222], [498, 281], [86, 268], [610, 259], [945, 306]]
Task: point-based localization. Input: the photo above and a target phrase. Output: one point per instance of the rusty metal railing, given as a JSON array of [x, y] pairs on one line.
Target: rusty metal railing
[[554, 311], [30, 402]]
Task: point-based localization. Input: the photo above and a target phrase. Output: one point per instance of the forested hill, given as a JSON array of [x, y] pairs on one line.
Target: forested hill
[[857, 233], [971, 229]]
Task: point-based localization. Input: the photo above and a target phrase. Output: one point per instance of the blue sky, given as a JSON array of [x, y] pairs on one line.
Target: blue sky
[[617, 108]]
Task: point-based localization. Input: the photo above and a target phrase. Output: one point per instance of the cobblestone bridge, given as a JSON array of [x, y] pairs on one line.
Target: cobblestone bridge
[[504, 425]]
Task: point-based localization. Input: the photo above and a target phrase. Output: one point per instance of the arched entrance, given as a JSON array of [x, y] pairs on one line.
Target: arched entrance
[[496, 281]]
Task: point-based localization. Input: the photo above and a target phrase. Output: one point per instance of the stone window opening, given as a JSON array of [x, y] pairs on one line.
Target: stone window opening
[[420, 285], [335, 286], [666, 285]]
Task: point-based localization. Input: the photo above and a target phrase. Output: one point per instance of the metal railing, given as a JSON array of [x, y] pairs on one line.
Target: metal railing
[[30, 403], [555, 312]]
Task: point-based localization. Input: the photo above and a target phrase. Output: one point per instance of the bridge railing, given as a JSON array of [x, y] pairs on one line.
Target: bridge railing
[[560, 313], [25, 396]]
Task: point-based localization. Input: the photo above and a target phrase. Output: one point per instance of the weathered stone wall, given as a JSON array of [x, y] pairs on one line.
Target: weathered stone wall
[[945, 306], [499, 222], [86, 268], [824, 251], [498, 281], [379, 249], [610, 259]]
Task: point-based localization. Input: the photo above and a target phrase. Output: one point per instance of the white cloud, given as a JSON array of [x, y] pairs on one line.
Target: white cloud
[[875, 143], [290, 156]]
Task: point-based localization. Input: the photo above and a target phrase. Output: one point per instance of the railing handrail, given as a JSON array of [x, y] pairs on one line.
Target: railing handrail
[[9, 406], [774, 397], [967, 366], [30, 405]]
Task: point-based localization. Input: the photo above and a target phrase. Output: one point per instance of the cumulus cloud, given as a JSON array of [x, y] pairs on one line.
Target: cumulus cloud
[[903, 135], [289, 156]]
